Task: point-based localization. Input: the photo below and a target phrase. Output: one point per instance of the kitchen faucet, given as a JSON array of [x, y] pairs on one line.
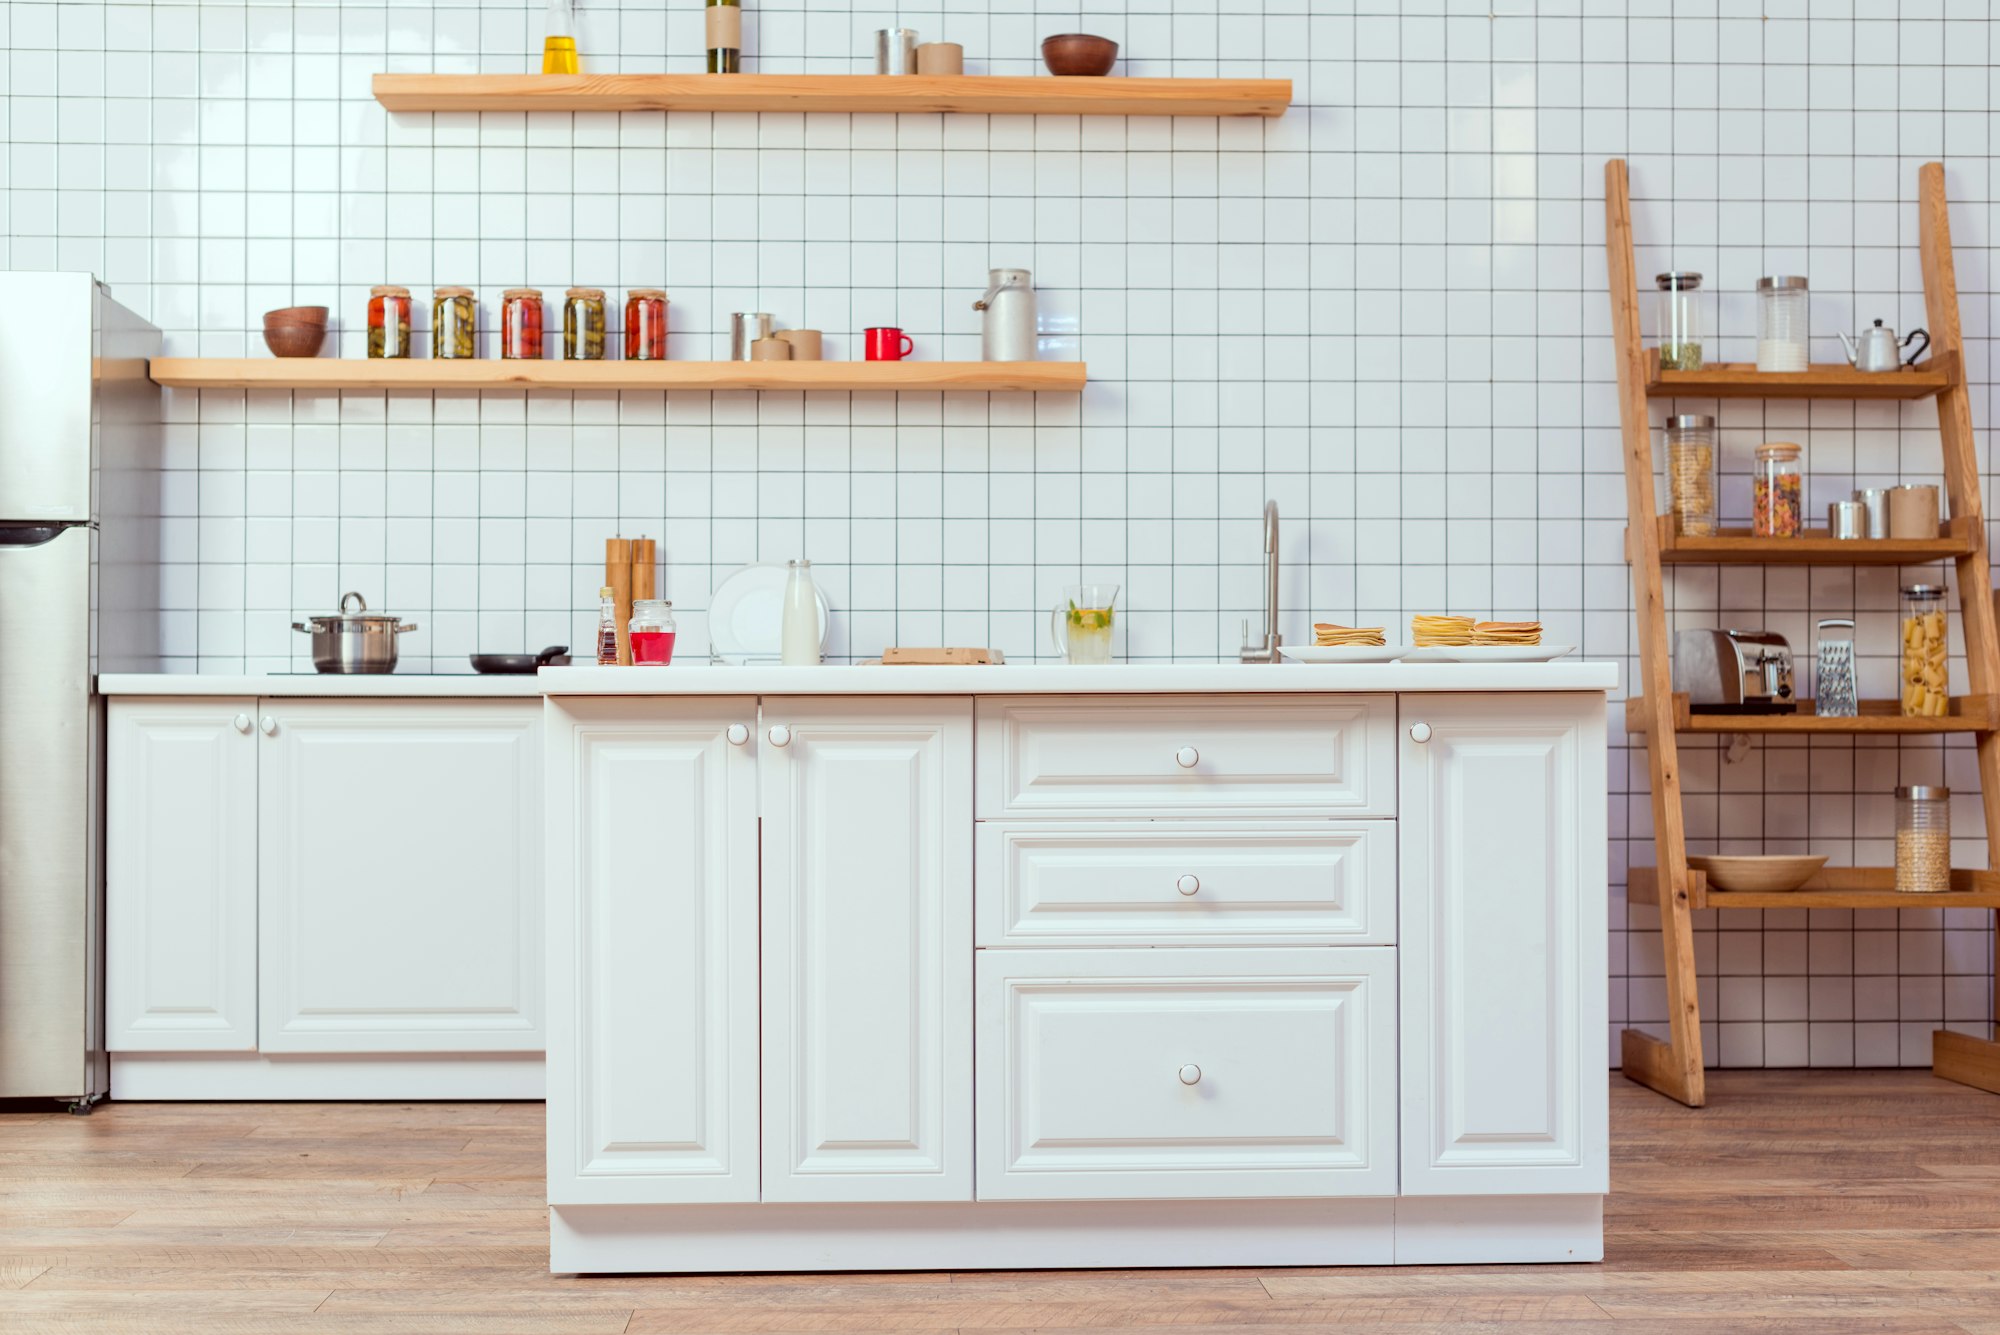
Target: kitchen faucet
[[1267, 652]]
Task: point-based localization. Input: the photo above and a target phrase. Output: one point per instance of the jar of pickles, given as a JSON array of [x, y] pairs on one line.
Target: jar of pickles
[[646, 324], [454, 318], [1777, 492], [1691, 473], [1680, 321], [583, 324], [1926, 683], [389, 322], [521, 324]]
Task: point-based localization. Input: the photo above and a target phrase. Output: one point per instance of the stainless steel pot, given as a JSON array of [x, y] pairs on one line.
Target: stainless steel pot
[[353, 641]]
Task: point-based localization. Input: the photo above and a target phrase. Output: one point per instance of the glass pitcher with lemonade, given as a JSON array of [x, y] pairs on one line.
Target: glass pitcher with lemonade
[[1081, 623]]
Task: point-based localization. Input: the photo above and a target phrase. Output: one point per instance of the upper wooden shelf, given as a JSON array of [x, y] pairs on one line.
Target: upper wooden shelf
[[1969, 713], [428, 373], [1736, 546], [1830, 888], [1742, 380], [984, 94]]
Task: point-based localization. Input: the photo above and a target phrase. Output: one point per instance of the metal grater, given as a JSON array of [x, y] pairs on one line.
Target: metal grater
[[1833, 670]]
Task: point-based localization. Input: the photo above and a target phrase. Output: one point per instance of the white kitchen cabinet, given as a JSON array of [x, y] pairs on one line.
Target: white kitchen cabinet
[[867, 900], [1502, 935], [399, 876], [181, 876], [652, 827]]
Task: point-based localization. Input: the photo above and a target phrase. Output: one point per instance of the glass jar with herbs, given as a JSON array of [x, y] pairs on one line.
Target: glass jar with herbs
[[521, 324], [646, 324], [583, 324], [1680, 321], [389, 322], [454, 320]]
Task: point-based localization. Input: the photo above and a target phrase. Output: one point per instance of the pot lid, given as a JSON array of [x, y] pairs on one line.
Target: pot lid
[[358, 614]]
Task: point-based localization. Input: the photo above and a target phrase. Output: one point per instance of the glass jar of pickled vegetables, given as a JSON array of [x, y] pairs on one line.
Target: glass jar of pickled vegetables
[[454, 318], [1777, 492], [1680, 321], [1926, 683], [583, 324], [646, 324], [521, 324], [389, 322]]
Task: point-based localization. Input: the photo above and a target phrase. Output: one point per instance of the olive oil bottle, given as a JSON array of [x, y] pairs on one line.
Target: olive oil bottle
[[559, 46], [725, 37]]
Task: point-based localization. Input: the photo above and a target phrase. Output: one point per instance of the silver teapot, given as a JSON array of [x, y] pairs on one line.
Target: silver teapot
[[1878, 350]]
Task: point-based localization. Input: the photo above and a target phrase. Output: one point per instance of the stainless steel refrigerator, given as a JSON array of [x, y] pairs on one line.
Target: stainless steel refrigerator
[[80, 440]]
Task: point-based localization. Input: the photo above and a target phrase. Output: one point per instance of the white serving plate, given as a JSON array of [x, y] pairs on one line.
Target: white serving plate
[[746, 613], [1344, 653], [1488, 653]]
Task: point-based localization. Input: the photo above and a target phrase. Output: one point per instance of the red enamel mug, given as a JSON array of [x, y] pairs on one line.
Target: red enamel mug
[[886, 343]]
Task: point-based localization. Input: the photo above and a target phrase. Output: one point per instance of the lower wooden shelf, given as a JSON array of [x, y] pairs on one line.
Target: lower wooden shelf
[[1830, 888], [330, 373], [1969, 713]]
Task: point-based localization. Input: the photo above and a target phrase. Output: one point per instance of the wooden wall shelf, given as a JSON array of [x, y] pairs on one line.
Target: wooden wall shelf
[[1736, 546], [981, 94], [1830, 888], [330, 373], [1969, 713], [1837, 380]]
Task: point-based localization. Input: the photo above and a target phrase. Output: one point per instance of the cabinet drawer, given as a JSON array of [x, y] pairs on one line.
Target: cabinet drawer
[[1180, 755], [1186, 882], [1156, 1074]]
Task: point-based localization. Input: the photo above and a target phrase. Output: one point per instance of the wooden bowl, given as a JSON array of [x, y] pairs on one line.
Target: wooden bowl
[[1079, 53], [1762, 874], [294, 340], [296, 315]]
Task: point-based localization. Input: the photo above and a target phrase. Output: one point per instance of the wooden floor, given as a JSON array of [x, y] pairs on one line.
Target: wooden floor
[[1796, 1202]]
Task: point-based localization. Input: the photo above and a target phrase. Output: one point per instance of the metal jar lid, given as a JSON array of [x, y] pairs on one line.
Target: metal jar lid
[[1691, 422], [1923, 590], [1922, 792], [1784, 282], [1684, 280]]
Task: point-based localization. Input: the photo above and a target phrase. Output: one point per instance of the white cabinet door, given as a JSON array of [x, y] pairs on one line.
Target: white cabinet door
[[1503, 944], [867, 809], [400, 876], [652, 882], [1157, 1074], [181, 876]]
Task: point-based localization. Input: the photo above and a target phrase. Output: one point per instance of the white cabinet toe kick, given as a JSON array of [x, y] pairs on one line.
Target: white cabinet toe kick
[[991, 981]]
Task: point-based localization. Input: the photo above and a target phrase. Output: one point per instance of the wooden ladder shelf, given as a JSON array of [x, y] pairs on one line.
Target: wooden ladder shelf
[[1674, 1068]]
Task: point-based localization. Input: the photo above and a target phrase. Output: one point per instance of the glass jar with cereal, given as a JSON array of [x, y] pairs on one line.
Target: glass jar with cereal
[[1923, 839]]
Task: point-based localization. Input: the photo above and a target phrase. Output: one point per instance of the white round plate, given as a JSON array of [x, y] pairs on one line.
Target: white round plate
[[1488, 653], [1344, 653], [746, 613]]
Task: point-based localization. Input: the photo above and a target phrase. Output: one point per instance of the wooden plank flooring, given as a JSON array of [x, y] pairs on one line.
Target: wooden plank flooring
[[1807, 1202]]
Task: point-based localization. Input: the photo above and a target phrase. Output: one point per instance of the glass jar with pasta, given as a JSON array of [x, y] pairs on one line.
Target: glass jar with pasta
[[583, 324], [1777, 492], [521, 324], [389, 321], [454, 318], [1925, 679]]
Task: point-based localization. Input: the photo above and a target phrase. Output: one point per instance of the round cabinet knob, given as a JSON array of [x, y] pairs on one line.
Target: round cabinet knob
[[1187, 757], [270, 726], [243, 723], [1190, 1074], [1420, 732], [738, 734], [781, 735], [1187, 885]]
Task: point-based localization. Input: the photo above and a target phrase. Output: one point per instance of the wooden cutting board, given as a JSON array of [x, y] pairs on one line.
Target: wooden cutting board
[[913, 655]]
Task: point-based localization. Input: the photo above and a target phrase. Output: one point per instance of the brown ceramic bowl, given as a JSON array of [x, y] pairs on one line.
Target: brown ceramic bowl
[[1079, 53], [294, 340], [296, 315]]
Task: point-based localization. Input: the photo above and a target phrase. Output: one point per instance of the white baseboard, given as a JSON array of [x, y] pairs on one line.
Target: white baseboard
[[145, 1076], [1008, 1235]]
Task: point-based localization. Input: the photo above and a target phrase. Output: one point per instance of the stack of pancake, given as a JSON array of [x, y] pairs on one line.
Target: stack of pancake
[[1507, 632], [1327, 635], [1426, 631]]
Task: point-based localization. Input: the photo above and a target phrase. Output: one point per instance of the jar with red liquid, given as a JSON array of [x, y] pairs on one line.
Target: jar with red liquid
[[389, 322], [521, 324], [646, 324], [651, 632]]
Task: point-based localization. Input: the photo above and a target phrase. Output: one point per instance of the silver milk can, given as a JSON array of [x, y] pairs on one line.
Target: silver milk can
[[1008, 334]]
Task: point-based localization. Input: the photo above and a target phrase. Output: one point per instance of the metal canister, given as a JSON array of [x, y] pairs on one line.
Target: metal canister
[[745, 328], [1008, 333], [895, 50], [1847, 519], [1875, 500]]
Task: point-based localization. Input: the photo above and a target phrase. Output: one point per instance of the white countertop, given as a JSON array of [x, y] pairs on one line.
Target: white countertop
[[364, 686], [1063, 679]]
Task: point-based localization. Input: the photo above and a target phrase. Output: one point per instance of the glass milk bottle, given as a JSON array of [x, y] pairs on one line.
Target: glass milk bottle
[[799, 627]]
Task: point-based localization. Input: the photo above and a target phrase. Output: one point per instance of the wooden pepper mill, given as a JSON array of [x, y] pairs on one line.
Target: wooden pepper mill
[[631, 570]]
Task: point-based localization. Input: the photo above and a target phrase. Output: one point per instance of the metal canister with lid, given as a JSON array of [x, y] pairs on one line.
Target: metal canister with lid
[[1007, 332], [1923, 839]]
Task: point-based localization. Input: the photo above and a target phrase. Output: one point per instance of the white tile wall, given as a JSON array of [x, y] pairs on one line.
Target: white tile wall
[[1384, 309]]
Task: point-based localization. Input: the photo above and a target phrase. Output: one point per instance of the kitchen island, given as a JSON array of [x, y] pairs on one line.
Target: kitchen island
[[974, 967]]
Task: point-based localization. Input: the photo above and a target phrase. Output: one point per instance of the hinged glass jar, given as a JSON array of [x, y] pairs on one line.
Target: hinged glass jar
[[1926, 682], [389, 321], [454, 318], [521, 324], [1777, 492], [646, 324], [1680, 321], [1691, 474], [583, 324], [651, 632], [1781, 323], [1923, 839]]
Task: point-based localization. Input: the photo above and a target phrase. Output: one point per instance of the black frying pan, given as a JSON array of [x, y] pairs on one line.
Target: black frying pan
[[556, 655]]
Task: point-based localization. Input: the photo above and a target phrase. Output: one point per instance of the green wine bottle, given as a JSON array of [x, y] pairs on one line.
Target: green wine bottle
[[725, 37]]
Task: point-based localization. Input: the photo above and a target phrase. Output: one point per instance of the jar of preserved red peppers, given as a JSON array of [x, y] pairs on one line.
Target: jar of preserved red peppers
[[389, 322], [454, 317], [583, 324], [521, 324], [646, 324]]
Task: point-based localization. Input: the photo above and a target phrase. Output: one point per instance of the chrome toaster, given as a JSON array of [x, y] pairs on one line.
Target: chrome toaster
[[1734, 671]]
